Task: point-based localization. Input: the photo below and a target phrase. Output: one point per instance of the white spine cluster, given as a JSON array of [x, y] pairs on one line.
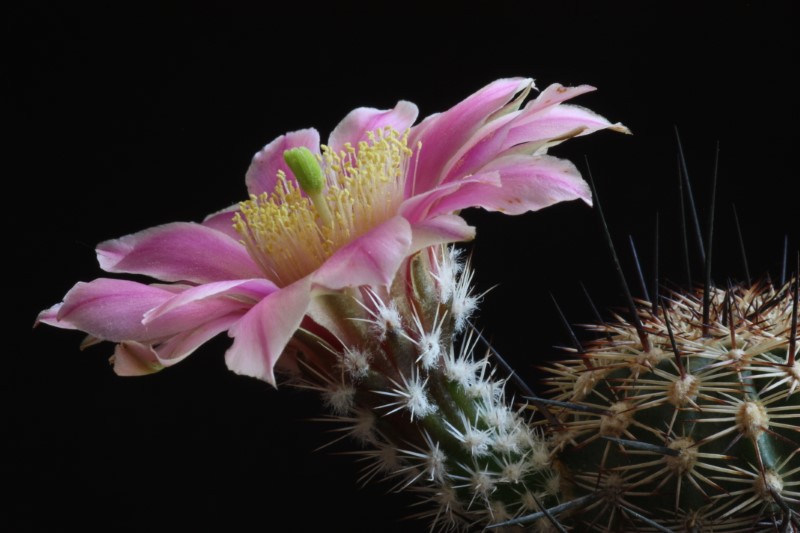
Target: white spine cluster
[[427, 408]]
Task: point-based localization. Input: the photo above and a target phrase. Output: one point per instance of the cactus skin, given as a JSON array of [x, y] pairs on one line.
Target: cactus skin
[[715, 431]]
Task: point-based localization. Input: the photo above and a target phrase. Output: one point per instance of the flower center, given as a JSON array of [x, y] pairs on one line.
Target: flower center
[[290, 232]]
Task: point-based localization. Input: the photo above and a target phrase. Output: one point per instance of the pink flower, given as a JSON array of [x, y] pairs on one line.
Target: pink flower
[[388, 190]]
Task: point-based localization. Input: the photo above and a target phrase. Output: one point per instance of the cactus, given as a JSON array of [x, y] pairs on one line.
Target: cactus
[[695, 425], [430, 415], [683, 418], [698, 416]]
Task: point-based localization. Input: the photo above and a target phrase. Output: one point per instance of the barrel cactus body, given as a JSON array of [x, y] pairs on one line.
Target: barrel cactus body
[[694, 429]]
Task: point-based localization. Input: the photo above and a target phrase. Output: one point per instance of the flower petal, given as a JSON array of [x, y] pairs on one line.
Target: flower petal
[[179, 347], [555, 125], [554, 94], [372, 259], [180, 251], [444, 134], [543, 123], [354, 127], [419, 207], [223, 221], [113, 309], [440, 230], [134, 359], [260, 336], [49, 316], [110, 309], [528, 183], [263, 171], [253, 290]]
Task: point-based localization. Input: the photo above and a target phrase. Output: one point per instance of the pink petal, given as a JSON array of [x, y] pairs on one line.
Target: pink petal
[[179, 347], [557, 124], [555, 94], [419, 207], [444, 134], [110, 309], [528, 182], [180, 251], [440, 230], [543, 122], [354, 127], [484, 146], [263, 171], [223, 221], [260, 336], [134, 359], [50, 317], [246, 291], [113, 310], [372, 259]]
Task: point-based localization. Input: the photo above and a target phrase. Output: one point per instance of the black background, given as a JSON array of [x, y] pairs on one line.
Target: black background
[[126, 118]]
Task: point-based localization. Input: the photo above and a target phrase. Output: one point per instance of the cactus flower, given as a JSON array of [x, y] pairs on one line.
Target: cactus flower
[[322, 218]]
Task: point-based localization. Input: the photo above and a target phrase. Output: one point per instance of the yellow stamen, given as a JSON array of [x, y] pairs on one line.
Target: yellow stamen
[[290, 234]]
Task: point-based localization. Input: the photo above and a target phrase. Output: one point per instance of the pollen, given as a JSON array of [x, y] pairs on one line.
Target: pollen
[[289, 234]]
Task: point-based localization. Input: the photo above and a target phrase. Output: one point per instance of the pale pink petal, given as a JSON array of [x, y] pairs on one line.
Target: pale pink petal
[[245, 291], [484, 146], [223, 221], [50, 317], [440, 230], [181, 251], [179, 347], [444, 134], [262, 174], [110, 309], [418, 208], [542, 123], [557, 124], [528, 183], [260, 336], [371, 259], [134, 359], [555, 94], [354, 127], [113, 310]]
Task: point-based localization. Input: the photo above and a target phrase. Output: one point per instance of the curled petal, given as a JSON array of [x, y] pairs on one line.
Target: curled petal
[[181, 251], [372, 259], [440, 230], [113, 310], [354, 127], [554, 94], [528, 183], [110, 309], [223, 221], [262, 174], [555, 125], [443, 135], [246, 291], [543, 123], [50, 317], [134, 359], [424, 206], [261, 335], [179, 347]]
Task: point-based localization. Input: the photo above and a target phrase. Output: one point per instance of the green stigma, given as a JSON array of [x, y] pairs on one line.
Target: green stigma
[[309, 176], [306, 169]]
